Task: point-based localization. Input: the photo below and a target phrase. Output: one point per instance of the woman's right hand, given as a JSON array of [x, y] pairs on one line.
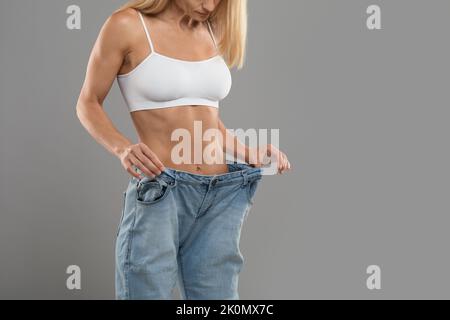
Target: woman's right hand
[[139, 155]]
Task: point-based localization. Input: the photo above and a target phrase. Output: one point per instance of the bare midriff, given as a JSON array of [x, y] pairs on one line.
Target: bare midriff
[[155, 128]]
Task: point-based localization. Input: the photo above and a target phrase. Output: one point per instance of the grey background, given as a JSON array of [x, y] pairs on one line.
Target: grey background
[[363, 117]]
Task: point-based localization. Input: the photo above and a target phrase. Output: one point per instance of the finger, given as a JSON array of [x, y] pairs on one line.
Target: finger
[[140, 165], [280, 168], [131, 171], [274, 156], [282, 162], [285, 163], [152, 156], [272, 152], [150, 166], [288, 166]]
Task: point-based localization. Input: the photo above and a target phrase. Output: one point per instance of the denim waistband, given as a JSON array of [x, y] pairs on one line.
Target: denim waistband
[[238, 173]]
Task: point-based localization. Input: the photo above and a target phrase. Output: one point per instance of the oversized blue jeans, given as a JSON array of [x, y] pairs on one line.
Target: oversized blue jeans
[[184, 228]]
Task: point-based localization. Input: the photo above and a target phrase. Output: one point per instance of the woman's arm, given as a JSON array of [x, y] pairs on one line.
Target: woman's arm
[[110, 49], [105, 60], [252, 155]]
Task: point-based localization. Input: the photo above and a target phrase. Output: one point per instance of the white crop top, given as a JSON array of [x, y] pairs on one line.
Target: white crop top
[[160, 81]]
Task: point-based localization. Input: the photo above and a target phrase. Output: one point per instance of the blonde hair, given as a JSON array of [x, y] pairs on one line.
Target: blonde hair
[[228, 20]]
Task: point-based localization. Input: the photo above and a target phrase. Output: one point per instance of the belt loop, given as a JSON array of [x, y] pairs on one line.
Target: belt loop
[[244, 174]]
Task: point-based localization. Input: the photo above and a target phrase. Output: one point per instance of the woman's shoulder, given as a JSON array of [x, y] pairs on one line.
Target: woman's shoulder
[[120, 28], [126, 18]]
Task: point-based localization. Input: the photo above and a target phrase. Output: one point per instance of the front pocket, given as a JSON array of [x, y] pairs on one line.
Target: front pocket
[[151, 192]]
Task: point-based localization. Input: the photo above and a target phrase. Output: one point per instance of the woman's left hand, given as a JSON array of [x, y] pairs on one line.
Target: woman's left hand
[[255, 156]]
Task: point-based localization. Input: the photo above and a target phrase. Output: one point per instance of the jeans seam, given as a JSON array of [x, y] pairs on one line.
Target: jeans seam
[[127, 257], [199, 214], [182, 278], [123, 212], [173, 286]]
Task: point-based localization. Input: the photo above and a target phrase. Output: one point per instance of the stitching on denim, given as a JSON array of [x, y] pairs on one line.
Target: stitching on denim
[[124, 195], [247, 211], [165, 194], [212, 204], [127, 257], [240, 254], [230, 180], [174, 284], [176, 255], [182, 278], [201, 205]]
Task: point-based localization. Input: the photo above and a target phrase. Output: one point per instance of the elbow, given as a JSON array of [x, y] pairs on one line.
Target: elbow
[[82, 112], [84, 106], [80, 109]]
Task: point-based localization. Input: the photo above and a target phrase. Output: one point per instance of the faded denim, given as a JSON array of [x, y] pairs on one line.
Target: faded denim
[[184, 228]]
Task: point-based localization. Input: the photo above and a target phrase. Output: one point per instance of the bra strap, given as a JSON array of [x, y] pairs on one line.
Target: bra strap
[[146, 31], [212, 34]]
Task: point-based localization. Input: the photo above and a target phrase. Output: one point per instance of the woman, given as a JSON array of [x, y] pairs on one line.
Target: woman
[[180, 219]]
